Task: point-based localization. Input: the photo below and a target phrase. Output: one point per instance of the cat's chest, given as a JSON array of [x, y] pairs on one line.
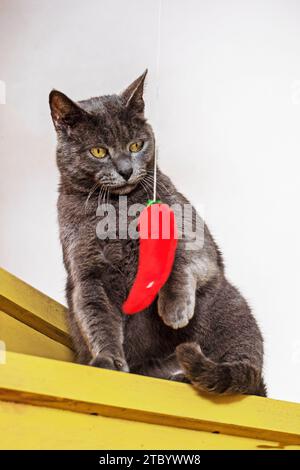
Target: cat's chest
[[120, 259], [118, 240], [104, 242]]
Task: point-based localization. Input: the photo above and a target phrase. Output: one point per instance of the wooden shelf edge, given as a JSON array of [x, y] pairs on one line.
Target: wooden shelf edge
[[67, 386], [33, 308]]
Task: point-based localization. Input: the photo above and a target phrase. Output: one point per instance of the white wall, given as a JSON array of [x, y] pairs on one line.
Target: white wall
[[229, 113]]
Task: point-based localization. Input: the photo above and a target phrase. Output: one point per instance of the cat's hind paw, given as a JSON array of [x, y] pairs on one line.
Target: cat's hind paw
[[204, 374], [179, 377]]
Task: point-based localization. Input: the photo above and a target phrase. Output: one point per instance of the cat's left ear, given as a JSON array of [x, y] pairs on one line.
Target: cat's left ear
[[65, 113], [133, 95]]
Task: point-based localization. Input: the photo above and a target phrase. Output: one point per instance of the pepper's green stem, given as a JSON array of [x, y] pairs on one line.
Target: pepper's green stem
[[153, 201]]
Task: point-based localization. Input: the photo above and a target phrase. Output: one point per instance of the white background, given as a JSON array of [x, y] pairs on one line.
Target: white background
[[229, 122]]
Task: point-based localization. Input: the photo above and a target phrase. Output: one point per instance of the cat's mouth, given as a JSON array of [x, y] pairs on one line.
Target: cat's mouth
[[125, 188]]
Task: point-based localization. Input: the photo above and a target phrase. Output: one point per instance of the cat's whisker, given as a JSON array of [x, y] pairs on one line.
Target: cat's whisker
[[104, 198], [150, 186], [94, 187], [142, 183], [107, 197], [101, 193], [149, 183], [145, 185], [159, 184]]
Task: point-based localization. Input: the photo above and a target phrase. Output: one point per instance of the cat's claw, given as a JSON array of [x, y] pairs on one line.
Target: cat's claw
[[109, 362]]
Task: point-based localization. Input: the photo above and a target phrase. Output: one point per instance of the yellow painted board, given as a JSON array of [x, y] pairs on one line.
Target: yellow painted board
[[32, 427], [20, 338], [56, 384], [33, 308]]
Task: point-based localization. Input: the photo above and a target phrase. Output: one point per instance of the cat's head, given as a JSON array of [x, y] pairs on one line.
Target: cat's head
[[104, 140]]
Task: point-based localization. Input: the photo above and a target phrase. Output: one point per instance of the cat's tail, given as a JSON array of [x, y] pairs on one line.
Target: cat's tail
[[226, 377]]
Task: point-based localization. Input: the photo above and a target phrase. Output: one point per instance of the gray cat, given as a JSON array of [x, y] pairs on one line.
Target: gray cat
[[199, 329]]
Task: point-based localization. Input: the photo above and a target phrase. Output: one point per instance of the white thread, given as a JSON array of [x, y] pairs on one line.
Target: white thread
[[155, 173], [157, 93]]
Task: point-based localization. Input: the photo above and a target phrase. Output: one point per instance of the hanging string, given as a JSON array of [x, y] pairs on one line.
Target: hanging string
[[157, 93], [155, 173]]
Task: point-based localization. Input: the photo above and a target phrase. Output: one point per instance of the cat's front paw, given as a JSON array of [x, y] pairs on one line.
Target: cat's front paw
[[104, 361], [176, 311]]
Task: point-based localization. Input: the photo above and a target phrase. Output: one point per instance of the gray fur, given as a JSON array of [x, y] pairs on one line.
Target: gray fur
[[200, 329]]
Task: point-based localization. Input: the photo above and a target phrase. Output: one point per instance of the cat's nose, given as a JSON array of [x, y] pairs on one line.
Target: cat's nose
[[123, 166], [126, 173]]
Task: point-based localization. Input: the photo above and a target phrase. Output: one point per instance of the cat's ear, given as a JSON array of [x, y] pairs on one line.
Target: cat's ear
[[133, 95], [65, 113]]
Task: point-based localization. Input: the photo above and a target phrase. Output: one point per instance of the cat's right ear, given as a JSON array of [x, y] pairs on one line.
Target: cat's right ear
[[65, 113], [133, 95]]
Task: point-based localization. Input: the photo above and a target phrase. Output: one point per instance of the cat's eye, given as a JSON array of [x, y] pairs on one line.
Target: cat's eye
[[136, 146], [98, 152]]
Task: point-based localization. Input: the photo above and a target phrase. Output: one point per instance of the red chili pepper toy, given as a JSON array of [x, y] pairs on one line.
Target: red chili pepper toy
[[158, 241]]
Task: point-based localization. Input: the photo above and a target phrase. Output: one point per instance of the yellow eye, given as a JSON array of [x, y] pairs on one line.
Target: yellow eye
[[98, 152], [136, 146]]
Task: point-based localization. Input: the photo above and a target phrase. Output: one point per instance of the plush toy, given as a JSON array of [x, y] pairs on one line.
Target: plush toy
[[158, 241]]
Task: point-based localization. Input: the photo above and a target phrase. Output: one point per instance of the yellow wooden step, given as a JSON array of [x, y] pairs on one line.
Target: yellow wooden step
[[33, 308], [31, 427], [36, 427], [82, 389], [21, 338], [46, 401]]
